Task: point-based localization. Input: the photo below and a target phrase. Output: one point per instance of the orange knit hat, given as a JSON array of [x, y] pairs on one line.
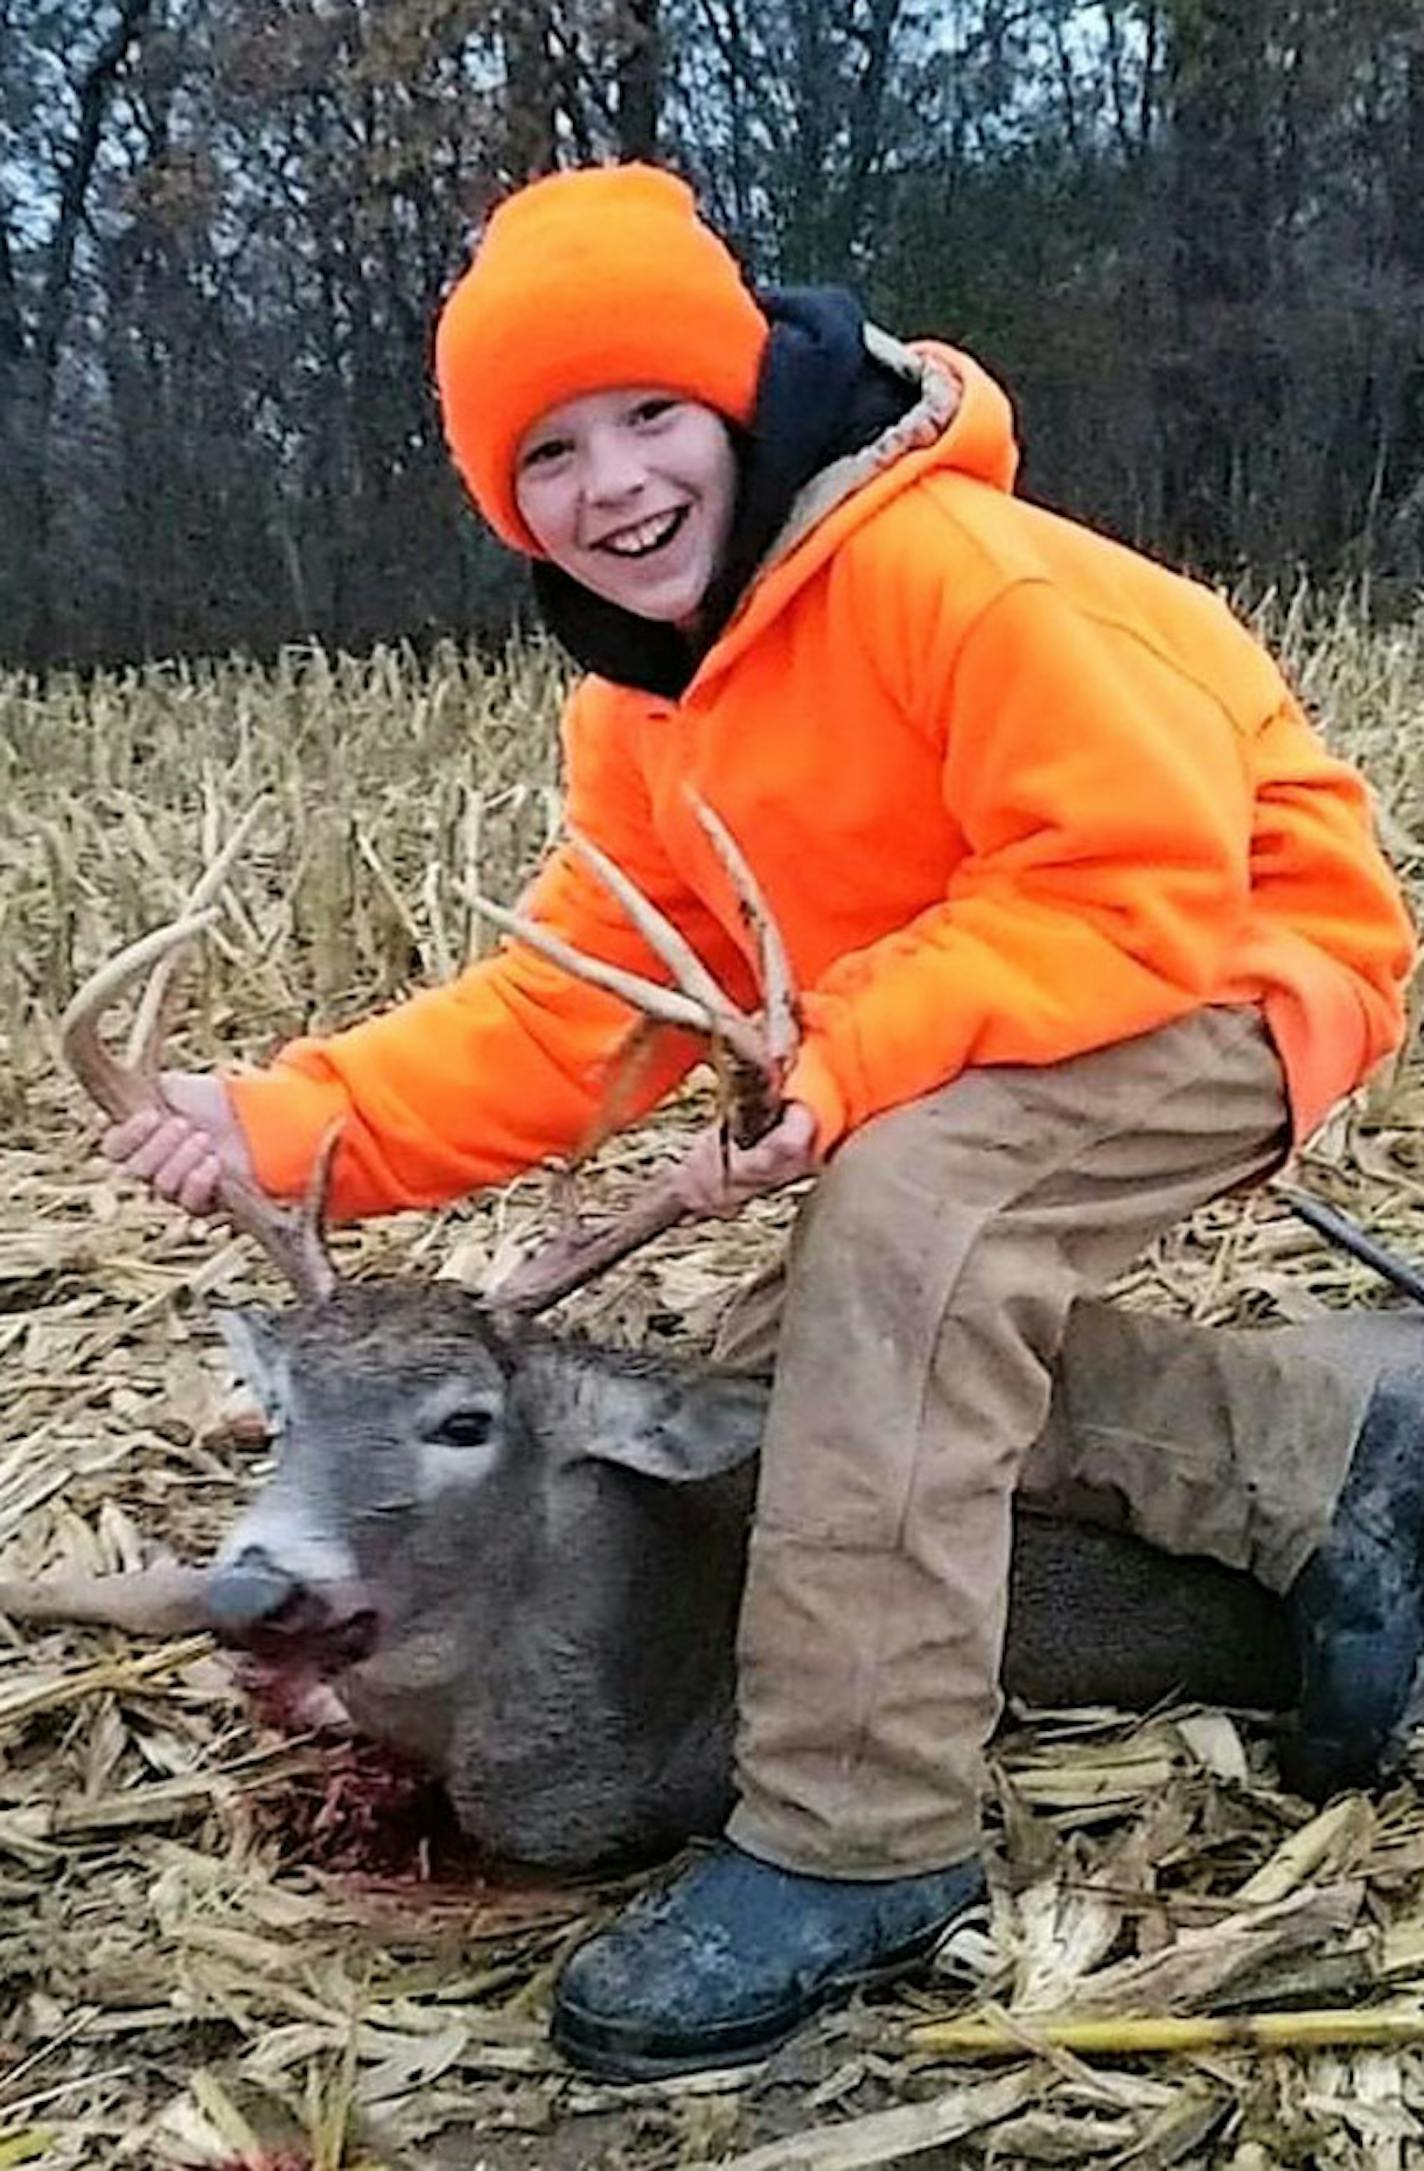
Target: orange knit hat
[[582, 282]]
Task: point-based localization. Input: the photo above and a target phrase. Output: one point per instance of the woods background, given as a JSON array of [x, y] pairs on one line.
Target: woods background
[[1188, 233]]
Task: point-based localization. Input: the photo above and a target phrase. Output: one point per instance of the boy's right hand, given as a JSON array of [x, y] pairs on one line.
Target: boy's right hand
[[183, 1150]]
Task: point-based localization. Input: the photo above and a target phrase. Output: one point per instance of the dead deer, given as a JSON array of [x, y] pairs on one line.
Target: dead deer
[[518, 1556]]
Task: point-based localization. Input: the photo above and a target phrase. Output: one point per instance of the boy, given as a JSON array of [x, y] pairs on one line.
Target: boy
[[1090, 929]]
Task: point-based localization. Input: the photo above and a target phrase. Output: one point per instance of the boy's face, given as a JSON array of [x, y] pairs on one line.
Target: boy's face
[[631, 493]]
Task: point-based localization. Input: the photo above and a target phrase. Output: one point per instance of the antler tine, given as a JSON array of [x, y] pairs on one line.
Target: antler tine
[[762, 1050], [657, 930], [670, 1005], [780, 1004], [120, 1089], [309, 1220], [293, 1242], [140, 1052]]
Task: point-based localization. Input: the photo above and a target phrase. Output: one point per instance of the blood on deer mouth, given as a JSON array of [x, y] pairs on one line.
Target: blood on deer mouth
[[305, 1637]]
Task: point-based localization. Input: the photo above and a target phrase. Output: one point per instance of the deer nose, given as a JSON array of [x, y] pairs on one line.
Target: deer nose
[[249, 1592]]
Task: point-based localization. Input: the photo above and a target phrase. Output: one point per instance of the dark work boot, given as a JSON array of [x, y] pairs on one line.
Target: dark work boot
[[724, 1962], [1359, 1603]]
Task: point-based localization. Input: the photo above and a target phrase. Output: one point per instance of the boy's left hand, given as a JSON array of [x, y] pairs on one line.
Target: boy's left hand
[[717, 1177]]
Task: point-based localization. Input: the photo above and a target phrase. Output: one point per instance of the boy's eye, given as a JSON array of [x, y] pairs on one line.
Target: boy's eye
[[547, 450], [653, 410]]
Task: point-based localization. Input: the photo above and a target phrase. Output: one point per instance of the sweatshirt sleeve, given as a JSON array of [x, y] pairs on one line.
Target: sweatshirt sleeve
[[1104, 801], [468, 1084]]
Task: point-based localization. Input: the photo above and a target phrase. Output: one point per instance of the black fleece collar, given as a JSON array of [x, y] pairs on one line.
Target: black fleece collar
[[820, 396]]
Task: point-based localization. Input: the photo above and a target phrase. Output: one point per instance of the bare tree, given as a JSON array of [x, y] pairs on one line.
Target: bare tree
[[32, 331]]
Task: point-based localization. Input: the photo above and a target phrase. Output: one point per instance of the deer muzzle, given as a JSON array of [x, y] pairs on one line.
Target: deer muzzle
[[256, 1605]]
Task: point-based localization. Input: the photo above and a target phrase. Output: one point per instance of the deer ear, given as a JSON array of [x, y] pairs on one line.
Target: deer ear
[[692, 1429], [254, 1343]]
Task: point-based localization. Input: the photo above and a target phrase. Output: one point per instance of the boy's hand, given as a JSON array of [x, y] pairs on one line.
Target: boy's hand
[[183, 1150], [717, 1178]]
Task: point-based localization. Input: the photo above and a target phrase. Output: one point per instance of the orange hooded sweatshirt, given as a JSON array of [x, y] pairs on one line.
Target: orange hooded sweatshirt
[[1013, 791]]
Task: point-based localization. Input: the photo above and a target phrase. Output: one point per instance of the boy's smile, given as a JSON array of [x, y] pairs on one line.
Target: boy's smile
[[631, 492]]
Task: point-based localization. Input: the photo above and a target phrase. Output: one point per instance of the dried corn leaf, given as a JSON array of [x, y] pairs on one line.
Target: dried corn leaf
[[887, 2136], [1200, 1964]]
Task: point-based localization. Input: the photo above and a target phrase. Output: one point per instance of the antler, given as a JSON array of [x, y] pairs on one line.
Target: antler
[[292, 1239], [761, 1045]]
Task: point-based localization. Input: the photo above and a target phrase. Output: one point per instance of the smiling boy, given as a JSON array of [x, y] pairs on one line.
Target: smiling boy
[[1090, 925], [632, 493]]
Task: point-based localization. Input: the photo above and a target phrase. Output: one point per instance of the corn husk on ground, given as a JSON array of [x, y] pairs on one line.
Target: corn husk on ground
[[1181, 1964]]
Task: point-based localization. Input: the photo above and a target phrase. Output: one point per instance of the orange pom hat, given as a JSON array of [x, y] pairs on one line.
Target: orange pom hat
[[584, 281]]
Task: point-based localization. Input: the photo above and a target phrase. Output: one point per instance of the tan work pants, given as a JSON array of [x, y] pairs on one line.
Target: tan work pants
[[923, 1312]]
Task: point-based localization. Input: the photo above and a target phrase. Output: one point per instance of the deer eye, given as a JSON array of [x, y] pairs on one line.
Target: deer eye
[[463, 1428]]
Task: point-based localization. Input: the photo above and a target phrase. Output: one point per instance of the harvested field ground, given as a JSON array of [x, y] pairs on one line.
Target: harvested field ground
[[191, 1971]]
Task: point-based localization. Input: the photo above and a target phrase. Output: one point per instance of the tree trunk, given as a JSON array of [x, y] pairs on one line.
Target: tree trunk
[[1215, 383], [639, 79], [531, 97], [93, 97]]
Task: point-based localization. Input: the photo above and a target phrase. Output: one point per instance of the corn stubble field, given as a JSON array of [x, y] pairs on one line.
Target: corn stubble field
[[208, 1955]]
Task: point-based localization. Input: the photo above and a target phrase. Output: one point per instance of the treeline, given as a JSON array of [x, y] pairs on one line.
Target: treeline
[[1189, 234]]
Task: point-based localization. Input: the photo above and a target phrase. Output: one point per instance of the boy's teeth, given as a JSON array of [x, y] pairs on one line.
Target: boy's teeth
[[633, 540]]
